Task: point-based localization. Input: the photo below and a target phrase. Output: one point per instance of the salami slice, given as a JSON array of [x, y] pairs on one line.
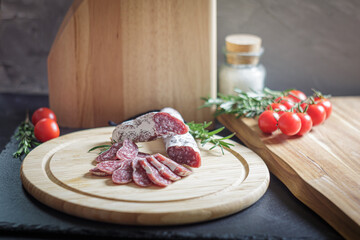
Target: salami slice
[[127, 151], [143, 155], [154, 174], [139, 174], [163, 170], [109, 166], [123, 174], [173, 166], [149, 127], [97, 172], [182, 148], [109, 154]]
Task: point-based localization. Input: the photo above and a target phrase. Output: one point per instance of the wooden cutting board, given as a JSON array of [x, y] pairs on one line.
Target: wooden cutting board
[[322, 168], [114, 59], [56, 173]]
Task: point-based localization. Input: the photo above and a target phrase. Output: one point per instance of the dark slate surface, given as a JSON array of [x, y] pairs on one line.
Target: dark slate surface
[[277, 215]]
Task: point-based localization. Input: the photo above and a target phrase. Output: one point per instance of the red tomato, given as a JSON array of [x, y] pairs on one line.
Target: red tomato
[[317, 113], [326, 104], [42, 113], [286, 101], [306, 123], [277, 106], [46, 129], [297, 96], [268, 121], [289, 123]]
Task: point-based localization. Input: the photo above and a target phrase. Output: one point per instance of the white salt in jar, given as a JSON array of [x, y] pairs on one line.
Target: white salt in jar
[[241, 68]]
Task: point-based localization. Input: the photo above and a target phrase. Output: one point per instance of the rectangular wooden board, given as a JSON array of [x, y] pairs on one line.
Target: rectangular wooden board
[[322, 168], [115, 59]]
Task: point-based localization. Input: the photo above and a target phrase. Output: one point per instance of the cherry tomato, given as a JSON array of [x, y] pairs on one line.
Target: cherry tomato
[[268, 121], [289, 123], [317, 113], [306, 123], [326, 104], [297, 96], [286, 101], [46, 129], [277, 106], [42, 113]]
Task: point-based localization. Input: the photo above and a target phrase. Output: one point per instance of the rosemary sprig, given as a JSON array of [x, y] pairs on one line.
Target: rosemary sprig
[[25, 136], [198, 131], [243, 104], [103, 148]]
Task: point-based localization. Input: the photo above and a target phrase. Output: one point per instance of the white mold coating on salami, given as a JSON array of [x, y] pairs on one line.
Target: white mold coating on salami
[[141, 129], [149, 127]]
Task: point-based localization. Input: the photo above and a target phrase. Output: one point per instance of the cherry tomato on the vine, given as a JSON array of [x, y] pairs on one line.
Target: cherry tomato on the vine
[[286, 101], [46, 129], [297, 96], [306, 123], [277, 107], [289, 123], [317, 113], [326, 104], [42, 113], [268, 121]]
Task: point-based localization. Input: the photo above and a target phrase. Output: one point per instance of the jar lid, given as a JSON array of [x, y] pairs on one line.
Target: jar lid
[[243, 43]]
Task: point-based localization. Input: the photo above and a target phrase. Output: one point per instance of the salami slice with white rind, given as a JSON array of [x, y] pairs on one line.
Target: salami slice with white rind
[[182, 148], [109, 166], [139, 176], [97, 172], [163, 170], [127, 151], [154, 174], [123, 174], [173, 166], [109, 154], [149, 127]]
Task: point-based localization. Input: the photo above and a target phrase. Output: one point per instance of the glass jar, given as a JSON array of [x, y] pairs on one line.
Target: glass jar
[[242, 71]]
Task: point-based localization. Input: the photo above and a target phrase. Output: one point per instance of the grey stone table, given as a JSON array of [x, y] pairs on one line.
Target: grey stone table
[[277, 215]]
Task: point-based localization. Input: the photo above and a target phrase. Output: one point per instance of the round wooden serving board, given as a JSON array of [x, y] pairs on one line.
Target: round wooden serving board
[[57, 174]]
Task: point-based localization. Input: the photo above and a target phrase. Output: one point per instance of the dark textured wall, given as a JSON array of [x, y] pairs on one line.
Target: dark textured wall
[[27, 30], [308, 43]]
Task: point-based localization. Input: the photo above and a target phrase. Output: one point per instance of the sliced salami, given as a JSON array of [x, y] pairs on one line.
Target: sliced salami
[[154, 174], [149, 127], [143, 155], [182, 148], [173, 166], [163, 170], [109, 166], [123, 174], [139, 174], [109, 154], [127, 151], [97, 172]]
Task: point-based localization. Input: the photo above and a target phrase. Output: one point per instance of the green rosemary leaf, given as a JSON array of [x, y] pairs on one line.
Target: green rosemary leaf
[[100, 146], [199, 131]]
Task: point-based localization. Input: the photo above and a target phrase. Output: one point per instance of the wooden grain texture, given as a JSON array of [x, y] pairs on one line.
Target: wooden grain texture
[[322, 168], [114, 59], [56, 173]]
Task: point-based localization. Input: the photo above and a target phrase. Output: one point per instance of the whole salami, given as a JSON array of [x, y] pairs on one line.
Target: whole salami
[[182, 148], [149, 127]]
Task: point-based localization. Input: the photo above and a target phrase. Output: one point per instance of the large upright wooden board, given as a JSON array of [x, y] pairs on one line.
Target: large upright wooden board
[[57, 174], [114, 59], [322, 168]]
